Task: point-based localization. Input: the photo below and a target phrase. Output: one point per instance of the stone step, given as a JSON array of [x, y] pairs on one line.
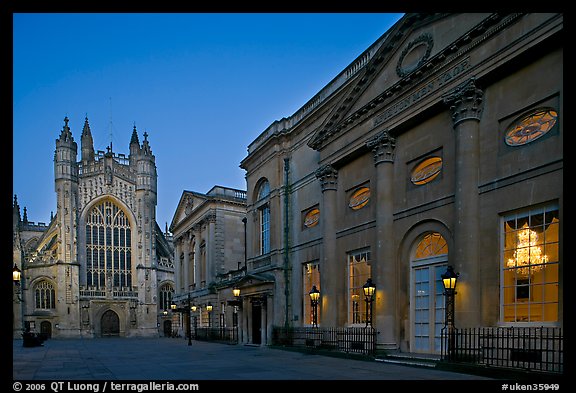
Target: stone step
[[410, 359]]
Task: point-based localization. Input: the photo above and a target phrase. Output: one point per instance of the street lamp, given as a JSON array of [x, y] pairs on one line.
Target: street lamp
[[16, 275], [369, 290], [314, 297], [449, 279], [236, 292]]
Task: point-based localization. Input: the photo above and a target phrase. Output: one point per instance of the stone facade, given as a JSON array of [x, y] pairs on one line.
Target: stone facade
[[208, 231], [431, 149], [98, 268]]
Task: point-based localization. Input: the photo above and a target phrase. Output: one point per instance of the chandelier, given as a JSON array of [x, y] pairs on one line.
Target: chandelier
[[528, 257]]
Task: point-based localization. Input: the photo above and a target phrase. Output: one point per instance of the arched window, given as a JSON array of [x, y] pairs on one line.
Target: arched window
[[264, 216], [108, 247], [45, 296], [166, 293], [263, 189]]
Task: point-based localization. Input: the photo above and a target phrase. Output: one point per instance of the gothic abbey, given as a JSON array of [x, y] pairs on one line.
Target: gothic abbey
[[102, 266]]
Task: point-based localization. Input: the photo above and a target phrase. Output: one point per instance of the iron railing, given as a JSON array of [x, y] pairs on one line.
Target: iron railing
[[527, 348], [357, 340], [219, 334]]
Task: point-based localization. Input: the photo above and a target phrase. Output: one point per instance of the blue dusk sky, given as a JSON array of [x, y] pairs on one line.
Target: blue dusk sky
[[203, 86]]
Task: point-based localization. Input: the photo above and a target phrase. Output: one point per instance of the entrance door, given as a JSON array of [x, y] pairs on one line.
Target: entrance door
[[427, 304], [428, 308], [167, 328], [110, 324], [256, 323], [46, 329]]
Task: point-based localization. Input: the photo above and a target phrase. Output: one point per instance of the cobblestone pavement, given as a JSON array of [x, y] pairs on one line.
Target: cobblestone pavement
[[166, 359]]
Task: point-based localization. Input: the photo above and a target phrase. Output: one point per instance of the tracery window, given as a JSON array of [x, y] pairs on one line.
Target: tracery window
[[531, 127], [166, 293], [44, 296], [426, 171], [108, 247]]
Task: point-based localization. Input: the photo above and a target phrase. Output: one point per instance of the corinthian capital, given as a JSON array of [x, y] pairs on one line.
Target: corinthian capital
[[383, 146], [465, 102], [328, 177]]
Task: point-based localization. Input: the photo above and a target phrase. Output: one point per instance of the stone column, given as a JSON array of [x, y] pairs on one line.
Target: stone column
[[186, 251], [210, 248], [465, 103], [197, 267], [384, 273], [177, 272], [332, 270]]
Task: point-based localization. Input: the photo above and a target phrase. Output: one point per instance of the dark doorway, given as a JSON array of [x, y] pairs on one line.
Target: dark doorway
[[167, 328], [256, 323], [46, 329], [110, 324]]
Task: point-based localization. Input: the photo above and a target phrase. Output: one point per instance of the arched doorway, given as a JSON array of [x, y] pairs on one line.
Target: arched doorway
[[167, 328], [46, 329], [427, 304], [110, 324]]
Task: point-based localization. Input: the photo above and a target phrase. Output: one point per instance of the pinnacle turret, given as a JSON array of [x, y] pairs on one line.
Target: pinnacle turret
[[87, 142]]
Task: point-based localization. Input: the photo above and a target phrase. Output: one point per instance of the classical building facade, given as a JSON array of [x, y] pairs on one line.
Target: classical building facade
[[102, 266], [208, 232], [440, 145]]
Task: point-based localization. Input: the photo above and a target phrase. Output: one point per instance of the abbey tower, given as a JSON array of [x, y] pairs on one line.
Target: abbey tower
[[102, 266]]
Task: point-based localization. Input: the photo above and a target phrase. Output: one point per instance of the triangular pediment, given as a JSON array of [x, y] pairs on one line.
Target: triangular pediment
[[412, 49], [189, 201]]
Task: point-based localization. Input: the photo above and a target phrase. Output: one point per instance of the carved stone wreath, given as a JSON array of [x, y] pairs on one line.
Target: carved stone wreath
[[404, 69]]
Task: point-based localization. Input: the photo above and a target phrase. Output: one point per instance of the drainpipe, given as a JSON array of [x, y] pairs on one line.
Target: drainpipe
[[286, 241]]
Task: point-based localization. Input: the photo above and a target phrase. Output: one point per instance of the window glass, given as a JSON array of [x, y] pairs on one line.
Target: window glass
[[530, 266], [359, 272]]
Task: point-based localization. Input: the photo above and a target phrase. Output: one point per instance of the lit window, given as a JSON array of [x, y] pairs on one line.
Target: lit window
[[431, 245], [531, 127], [311, 218], [311, 277], [426, 171], [359, 198], [359, 272], [530, 266]]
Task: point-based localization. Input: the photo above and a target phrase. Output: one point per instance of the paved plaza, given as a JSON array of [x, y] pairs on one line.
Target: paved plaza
[[172, 359]]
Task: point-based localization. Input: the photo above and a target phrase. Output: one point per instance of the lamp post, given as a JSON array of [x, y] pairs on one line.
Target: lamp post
[[314, 297], [449, 279], [209, 309], [188, 314], [193, 309], [369, 290], [18, 279]]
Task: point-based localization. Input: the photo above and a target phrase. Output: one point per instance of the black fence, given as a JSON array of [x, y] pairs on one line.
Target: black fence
[[527, 348], [348, 340], [219, 334]]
